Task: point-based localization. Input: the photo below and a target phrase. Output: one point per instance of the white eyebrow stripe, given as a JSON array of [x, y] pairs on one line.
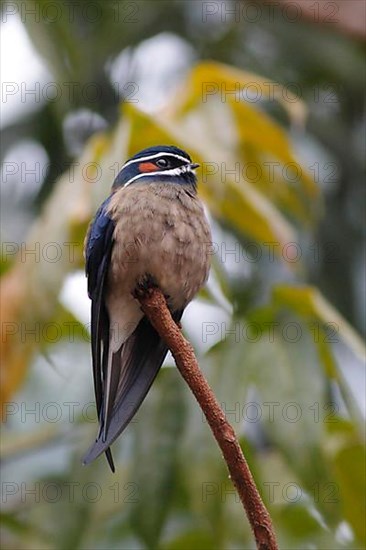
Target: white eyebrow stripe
[[156, 156], [172, 172]]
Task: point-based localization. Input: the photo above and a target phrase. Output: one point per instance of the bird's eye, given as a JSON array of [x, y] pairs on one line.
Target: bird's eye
[[163, 163]]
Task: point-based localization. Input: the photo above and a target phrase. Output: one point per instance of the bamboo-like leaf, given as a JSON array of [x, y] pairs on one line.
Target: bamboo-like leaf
[[308, 302], [350, 467]]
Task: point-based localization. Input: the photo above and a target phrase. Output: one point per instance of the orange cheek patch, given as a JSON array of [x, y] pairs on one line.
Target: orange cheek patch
[[148, 167]]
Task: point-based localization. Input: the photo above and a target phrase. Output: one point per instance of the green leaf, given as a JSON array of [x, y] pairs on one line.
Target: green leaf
[[190, 539], [309, 303], [350, 466]]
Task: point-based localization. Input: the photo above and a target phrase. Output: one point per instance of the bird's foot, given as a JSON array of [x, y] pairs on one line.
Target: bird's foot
[[144, 287]]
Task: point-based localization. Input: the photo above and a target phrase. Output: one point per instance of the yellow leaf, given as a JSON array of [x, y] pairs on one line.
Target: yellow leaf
[[209, 78]]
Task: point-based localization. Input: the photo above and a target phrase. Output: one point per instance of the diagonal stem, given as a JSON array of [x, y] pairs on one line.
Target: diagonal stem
[[155, 308]]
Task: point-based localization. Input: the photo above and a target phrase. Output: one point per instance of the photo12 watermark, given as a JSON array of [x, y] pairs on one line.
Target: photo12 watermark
[[69, 11], [54, 412], [269, 331], [52, 92], [233, 253], [255, 12], [274, 491], [52, 332], [69, 491], [257, 91], [272, 172], [270, 412]]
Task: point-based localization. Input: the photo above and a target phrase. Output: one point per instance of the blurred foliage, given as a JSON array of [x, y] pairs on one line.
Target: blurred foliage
[[284, 291]]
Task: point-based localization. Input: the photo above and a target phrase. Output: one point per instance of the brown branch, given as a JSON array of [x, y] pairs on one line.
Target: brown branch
[[154, 306]]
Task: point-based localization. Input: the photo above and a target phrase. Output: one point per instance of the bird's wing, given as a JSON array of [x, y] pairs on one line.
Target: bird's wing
[[132, 370], [98, 248]]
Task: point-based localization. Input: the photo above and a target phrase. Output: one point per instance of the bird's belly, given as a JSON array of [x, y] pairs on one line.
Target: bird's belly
[[179, 266]]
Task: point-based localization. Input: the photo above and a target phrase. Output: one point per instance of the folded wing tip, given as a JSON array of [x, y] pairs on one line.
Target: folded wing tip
[[95, 451], [145, 354]]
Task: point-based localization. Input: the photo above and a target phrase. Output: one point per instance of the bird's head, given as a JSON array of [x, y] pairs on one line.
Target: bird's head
[[163, 163]]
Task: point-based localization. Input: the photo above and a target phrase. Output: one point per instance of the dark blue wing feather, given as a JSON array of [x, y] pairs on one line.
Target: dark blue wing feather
[[98, 253], [98, 248], [142, 356]]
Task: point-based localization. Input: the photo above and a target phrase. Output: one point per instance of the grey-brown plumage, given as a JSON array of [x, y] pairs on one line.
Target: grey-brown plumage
[[158, 230]]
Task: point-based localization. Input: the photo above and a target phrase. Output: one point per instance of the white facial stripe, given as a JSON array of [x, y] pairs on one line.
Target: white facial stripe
[[172, 172], [156, 156]]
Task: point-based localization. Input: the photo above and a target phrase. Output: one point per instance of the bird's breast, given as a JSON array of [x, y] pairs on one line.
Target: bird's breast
[[160, 230]]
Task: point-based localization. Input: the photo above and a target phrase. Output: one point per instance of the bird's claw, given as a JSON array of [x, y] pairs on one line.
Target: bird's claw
[[144, 286]]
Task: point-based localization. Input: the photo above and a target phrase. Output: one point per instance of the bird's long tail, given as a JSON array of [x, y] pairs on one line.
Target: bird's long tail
[[130, 372]]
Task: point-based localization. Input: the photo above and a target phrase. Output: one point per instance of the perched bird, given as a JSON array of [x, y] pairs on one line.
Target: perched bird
[[152, 228]]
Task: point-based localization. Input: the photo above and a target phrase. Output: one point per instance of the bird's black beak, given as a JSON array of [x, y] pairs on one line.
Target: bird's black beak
[[194, 165]]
